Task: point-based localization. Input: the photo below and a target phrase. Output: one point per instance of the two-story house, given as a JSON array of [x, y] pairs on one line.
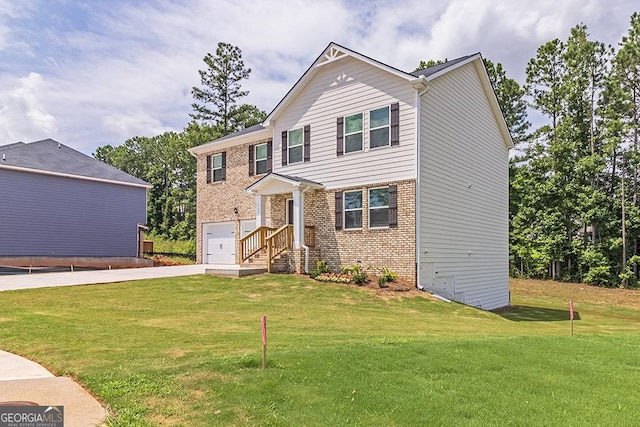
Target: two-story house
[[364, 163]]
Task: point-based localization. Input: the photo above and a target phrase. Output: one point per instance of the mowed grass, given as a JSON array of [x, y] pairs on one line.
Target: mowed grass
[[187, 351]]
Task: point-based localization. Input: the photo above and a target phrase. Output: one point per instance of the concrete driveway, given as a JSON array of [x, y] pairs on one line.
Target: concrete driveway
[[44, 280]]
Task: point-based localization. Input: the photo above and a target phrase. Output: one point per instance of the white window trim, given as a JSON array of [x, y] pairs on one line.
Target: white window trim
[[376, 207], [345, 210], [299, 145], [213, 168], [344, 133], [256, 160], [388, 107]]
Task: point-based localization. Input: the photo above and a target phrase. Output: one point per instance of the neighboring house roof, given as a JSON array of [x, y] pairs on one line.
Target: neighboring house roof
[[334, 52], [51, 157]]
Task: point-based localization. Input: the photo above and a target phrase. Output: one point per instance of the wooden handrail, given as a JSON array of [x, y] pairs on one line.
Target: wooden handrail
[[278, 242], [254, 242]]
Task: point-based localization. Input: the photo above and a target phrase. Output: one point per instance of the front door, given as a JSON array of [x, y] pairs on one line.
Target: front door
[[290, 211]]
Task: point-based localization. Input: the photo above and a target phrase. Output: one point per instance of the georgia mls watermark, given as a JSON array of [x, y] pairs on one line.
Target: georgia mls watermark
[[31, 416]]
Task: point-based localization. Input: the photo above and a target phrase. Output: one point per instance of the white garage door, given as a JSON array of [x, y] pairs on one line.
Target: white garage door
[[220, 243]]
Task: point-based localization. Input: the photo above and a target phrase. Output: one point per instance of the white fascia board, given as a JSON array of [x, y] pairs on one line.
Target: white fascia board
[[324, 59], [221, 144], [493, 102], [68, 175]]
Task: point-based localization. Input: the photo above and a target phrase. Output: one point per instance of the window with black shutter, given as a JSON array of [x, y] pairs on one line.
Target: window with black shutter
[[338, 210], [252, 165], [307, 143], [340, 136], [216, 167], [395, 124], [393, 206], [283, 148]]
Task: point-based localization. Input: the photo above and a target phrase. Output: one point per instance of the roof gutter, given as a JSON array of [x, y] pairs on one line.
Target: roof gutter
[[68, 175]]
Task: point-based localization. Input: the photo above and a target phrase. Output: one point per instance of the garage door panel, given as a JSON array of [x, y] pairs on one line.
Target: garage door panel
[[220, 243]]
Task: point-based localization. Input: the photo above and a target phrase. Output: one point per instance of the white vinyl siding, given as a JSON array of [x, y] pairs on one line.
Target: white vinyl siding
[[342, 88], [463, 193]]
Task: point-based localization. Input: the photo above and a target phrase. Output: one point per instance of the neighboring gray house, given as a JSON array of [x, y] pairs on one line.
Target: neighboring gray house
[[56, 202]]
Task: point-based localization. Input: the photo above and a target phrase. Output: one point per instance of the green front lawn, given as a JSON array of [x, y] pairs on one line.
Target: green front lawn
[[187, 351]]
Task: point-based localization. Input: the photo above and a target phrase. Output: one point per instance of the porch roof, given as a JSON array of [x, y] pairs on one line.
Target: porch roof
[[275, 183]]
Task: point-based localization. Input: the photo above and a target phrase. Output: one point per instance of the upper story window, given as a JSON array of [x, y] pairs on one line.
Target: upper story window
[[383, 129], [216, 167], [353, 126], [352, 209], [260, 158], [379, 127], [295, 145]]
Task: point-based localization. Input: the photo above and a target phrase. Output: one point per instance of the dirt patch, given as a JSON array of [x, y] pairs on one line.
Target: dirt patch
[[576, 292]]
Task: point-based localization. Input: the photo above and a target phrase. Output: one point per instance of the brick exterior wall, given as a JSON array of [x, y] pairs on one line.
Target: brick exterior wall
[[215, 201], [391, 247]]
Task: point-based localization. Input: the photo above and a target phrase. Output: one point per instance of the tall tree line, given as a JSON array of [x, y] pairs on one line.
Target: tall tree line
[[574, 212], [163, 160]]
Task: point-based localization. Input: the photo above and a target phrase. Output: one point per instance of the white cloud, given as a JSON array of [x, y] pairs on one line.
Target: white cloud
[[22, 114], [128, 67]]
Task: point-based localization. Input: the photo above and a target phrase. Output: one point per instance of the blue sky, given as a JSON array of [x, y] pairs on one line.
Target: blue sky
[[89, 73]]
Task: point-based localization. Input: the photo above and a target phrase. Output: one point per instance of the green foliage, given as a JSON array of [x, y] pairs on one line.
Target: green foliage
[[221, 89], [385, 275], [186, 351], [359, 275], [169, 246], [321, 267], [574, 202]]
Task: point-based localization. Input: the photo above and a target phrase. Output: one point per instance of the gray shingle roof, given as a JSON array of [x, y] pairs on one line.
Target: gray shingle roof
[[49, 155], [432, 70]]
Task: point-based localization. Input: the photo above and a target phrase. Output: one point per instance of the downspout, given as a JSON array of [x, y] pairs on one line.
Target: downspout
[[418, 183], [305, 247]]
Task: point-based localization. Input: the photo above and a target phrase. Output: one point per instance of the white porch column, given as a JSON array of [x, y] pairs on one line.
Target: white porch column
[[261, 219], [298, 218]]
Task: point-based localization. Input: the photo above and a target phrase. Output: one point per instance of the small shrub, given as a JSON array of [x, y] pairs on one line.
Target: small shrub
[[321, 268], [385, 275], [333, 278], [358, 275]]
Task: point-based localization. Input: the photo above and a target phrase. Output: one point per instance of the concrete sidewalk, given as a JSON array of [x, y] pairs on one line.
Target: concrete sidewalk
[[43, 280], [24, 380]]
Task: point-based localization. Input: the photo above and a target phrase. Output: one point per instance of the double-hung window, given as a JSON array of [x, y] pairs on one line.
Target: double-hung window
[[379, 207], [352, 209], [216, 167], [261, 158], [379, 129], [353, 126], [295, 141]]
